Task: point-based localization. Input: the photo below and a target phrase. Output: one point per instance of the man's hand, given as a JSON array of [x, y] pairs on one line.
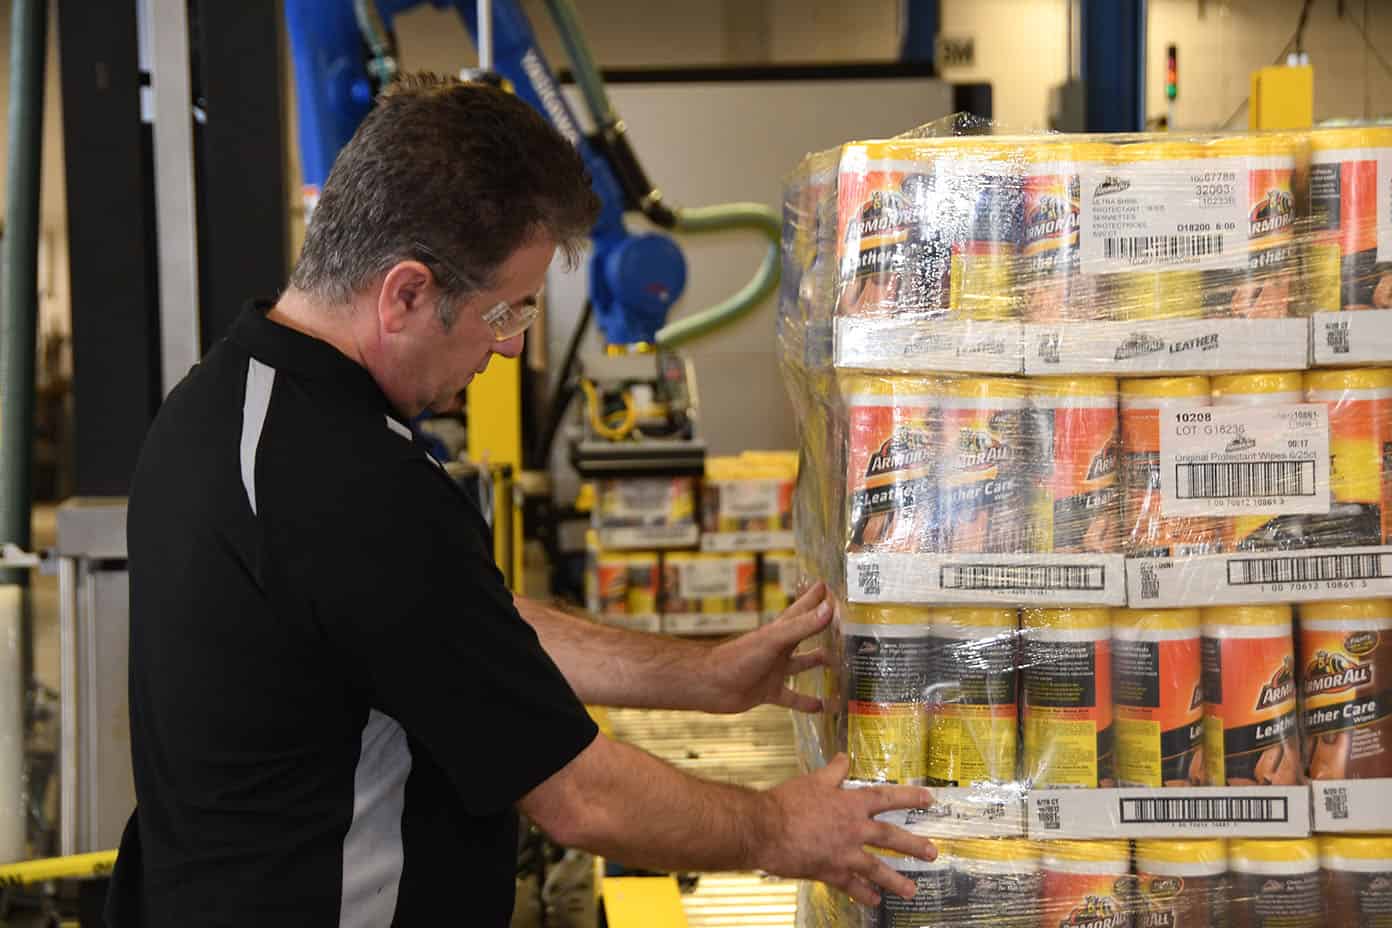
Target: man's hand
[[826, 829], [626, 805], [752, 669]]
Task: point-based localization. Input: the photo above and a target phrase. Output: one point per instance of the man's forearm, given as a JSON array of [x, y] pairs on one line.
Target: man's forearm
[[634, 808], [616, 667]]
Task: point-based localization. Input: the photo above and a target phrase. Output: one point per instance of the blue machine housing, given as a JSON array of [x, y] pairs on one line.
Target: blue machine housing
[[634, 279]]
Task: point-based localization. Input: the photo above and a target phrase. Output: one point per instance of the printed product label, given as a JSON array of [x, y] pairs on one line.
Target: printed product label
[[1250, 733], [1277, 901], [1050, 241], [1351, 201], [1158, 692], [1347, 682], [1231, 460], [1082, 507], [646, 501], [892, 473], [1145, 532], [932, 904], [751, 499], [887, 725], [1068, 713], [1359, 900], [611, 582], [708, 580], [1181, 902], [1086, 900], [983, 498], [972, 736], [1165, 215]]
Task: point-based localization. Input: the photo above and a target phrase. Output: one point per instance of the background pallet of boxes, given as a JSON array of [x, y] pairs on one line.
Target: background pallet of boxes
[[1096, 463]]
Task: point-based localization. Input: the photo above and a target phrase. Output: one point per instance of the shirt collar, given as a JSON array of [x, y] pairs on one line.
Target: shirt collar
[[310, 360]]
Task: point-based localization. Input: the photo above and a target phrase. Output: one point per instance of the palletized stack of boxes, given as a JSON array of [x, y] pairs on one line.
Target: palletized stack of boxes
[[721, 575], [1040, 379]]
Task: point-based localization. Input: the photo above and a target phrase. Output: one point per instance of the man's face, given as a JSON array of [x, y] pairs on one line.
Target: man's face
[[448, 360]]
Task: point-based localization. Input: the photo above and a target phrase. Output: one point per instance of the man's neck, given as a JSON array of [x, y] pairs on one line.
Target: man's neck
[[332, 324]]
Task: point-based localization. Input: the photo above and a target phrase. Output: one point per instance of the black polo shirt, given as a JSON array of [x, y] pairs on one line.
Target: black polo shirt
[[334, 703]]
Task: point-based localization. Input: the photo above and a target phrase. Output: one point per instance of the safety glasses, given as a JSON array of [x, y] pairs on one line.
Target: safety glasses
[[506, 320]]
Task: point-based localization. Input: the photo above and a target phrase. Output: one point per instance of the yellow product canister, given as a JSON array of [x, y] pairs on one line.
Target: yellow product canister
[[973, 723], [1261, 287], [934, 899], [1249, 684], [1357, 879], [893, 426], [1048, 279], [674, 595], [1276, 884], [1345, 650], [998, 881], [1350, 260], [985, 231], [1077, 444], [1158, 695], [1279, 388], [606, 579], [986, 477], [1182, 884], [1067, 703], [1085, 883], [778, 582], [1359, 403], [1146, 531], [644, 581], [887, 651], [1155, 289]]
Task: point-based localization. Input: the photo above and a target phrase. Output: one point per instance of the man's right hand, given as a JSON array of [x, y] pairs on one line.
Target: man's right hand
[[820, 831]]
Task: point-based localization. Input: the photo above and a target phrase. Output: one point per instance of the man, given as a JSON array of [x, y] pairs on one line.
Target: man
[[336, 706]]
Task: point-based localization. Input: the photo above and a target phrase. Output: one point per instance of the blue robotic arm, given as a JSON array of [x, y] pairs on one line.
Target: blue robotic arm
[[634, 278]]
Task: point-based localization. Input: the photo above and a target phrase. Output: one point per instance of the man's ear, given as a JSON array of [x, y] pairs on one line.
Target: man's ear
[[404, 294]]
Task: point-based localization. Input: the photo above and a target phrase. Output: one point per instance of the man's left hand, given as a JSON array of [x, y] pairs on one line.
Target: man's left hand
[[753, 669]]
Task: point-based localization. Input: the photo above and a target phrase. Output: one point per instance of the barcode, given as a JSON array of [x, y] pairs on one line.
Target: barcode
[[1336, 802], [1023, 577], [869, 576], [1205, 809], [1153, 249], [1241, 479], [1308, 568]]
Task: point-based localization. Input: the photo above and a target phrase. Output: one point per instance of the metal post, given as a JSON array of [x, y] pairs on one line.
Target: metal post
[[175, 209], [67, 706], [1113, 64], [485, 35]]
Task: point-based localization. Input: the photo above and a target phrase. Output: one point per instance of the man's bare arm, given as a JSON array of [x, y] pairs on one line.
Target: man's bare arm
[[615, 667], [617, 801]]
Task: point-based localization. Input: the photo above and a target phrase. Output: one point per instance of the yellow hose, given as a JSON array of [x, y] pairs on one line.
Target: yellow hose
[[602, 429]]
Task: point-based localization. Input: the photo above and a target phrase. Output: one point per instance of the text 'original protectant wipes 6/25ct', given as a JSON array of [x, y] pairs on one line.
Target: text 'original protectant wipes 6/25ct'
[[1181, 884], [1346, 679], [1157, 685], [887, 655], [1275, 884], [1068, 697], [972, 735], [1250, 733]]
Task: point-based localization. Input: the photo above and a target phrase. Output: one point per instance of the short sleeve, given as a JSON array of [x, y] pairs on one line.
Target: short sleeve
[[405, 588]]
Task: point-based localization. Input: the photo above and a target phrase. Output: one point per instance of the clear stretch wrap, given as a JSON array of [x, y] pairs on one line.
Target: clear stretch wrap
[[1105, 515]]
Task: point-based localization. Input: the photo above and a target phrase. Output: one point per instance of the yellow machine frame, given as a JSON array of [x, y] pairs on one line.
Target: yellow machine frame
[[1283, 97]]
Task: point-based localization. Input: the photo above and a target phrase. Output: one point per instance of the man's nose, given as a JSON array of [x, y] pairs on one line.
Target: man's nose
[[510, 348]]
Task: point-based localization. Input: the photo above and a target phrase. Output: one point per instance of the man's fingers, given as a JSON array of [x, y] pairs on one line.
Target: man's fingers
[[799, 702], [836, 770], [794, 626], [799, 663], [879, 799], [892, 838], [809, 598], [882, 874], [859, 889]]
